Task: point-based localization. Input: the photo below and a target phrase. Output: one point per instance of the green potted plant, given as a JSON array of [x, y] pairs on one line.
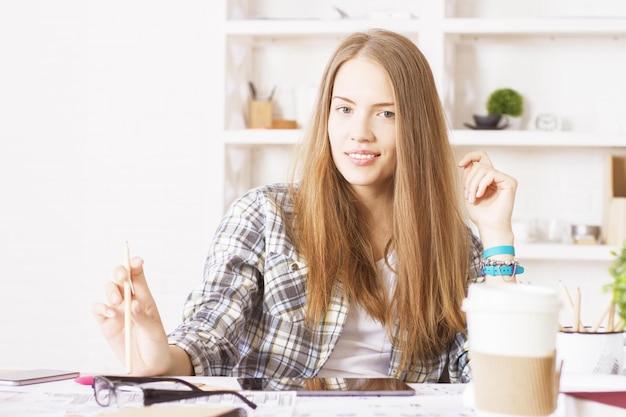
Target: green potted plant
[[618, 286], [507, 102]]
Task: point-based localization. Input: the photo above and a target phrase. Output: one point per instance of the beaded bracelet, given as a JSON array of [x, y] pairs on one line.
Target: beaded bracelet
[[505, 268]]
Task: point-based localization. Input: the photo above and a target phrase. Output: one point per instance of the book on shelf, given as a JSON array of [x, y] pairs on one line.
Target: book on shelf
[[596, 403]]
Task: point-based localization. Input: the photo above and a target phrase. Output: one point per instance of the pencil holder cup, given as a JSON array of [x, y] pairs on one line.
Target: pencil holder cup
[[590, 352], [260, 114]]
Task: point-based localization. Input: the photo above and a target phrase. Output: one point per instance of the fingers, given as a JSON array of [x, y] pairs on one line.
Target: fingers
[[114, 291], [144, 315], [476, 156], [150, 348], [136, 266], [140, 285], [476, 179], [102, 312], [477, 174], [479, 177], [147, 316], [114, 294]]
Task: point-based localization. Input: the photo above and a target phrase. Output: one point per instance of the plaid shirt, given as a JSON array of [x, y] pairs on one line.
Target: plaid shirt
[[247, 317]]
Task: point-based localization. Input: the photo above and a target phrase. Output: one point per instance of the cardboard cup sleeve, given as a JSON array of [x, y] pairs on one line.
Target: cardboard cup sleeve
[[527, 386]]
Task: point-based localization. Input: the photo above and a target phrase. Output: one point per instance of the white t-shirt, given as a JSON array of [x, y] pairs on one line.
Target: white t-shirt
[[364, 348]]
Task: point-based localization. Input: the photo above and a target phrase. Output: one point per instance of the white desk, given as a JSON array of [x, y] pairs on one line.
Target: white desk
[[67, 398]]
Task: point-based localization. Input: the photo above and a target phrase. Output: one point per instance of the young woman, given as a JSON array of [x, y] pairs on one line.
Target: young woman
[[358, 268]]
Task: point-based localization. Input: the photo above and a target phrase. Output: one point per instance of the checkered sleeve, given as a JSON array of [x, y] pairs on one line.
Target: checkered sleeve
[[476, 251], [459, 351], [214, 314]]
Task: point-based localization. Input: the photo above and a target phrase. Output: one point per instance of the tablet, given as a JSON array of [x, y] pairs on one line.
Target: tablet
[[311, 387], [35, 376]]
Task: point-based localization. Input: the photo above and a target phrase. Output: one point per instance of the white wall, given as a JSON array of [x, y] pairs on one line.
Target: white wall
[[106, 121]]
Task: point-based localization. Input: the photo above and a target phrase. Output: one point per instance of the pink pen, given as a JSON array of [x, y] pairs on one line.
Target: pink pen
[[84, 380]]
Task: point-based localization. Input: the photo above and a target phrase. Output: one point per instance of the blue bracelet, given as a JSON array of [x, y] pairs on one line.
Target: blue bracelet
[[499, 250], [506, 270]]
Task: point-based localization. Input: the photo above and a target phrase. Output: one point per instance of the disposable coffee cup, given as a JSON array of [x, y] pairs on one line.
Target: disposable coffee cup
[[512, 333]]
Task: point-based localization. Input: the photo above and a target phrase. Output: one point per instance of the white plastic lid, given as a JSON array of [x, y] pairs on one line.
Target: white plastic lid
[[511, 297]]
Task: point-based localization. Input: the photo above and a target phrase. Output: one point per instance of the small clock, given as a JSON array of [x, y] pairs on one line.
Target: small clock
[[549, 122]]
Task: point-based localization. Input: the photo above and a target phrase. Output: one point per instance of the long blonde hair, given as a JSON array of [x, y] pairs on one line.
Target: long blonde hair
[[429, 233]]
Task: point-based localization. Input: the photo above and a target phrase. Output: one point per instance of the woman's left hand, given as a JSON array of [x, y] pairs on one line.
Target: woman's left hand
[[489, 198]]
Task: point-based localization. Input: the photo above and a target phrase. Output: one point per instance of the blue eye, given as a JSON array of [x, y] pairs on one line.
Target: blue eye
[[343, 109], [388, 114]]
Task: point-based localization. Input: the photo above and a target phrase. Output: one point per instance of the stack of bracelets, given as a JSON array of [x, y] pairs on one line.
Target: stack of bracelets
[[494, 267]]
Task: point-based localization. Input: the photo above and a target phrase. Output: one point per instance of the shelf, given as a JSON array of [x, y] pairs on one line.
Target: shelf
[[561, 251], [529, 27], [526, 138], [500, 138], [261, 137], [525, 27], [307, 27]]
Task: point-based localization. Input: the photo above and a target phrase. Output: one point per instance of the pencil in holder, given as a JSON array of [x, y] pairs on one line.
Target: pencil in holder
[[260, 114]]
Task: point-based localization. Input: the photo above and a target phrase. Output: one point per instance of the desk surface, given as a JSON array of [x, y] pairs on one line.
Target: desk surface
[[67, 398]]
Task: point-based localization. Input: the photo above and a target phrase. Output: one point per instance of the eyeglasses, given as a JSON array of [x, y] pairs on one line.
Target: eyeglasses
[[126, 390]]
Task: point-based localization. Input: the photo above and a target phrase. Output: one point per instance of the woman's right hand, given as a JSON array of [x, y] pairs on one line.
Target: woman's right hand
[[150, 349]]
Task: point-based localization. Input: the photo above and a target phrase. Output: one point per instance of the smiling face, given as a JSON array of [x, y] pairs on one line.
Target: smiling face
[[362, 126]]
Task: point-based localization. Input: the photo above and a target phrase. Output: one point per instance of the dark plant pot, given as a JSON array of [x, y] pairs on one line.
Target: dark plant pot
[[487, 120]]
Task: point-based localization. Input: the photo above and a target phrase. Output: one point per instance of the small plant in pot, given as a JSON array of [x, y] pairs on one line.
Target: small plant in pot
[[618, 286], [507, 103]]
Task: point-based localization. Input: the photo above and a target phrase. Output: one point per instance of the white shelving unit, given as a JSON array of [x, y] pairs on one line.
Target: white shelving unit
[[505, 138], [306, 27], [571, 65], [536, 26]]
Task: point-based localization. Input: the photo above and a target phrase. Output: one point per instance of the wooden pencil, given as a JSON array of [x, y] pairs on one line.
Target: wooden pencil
[[127, 314], [597, 324], [577, 326], [574, 308], [567, 297]]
